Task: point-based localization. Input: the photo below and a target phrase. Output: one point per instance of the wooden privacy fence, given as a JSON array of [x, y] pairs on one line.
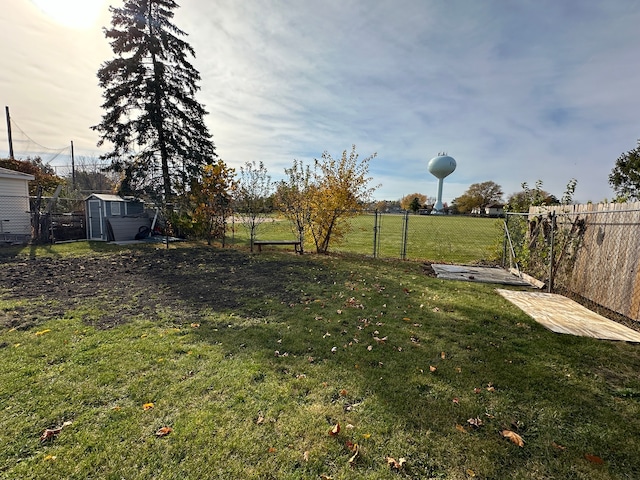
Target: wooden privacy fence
[[591, 250]]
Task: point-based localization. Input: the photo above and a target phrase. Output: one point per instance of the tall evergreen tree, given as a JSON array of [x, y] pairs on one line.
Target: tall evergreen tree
[[160, 141]]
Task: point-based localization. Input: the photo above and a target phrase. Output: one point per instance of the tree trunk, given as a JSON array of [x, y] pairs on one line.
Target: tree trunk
[[157, 116]]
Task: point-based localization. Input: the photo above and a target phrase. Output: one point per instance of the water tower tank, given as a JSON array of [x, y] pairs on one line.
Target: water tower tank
[[440, 167]]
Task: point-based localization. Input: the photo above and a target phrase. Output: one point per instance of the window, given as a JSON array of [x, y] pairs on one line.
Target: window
[[115, 208]]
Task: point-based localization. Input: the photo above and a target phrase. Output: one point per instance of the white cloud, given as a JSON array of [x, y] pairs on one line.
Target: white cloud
[[515, 91]]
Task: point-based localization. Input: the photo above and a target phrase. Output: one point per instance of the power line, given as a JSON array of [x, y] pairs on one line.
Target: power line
[[31, 140]]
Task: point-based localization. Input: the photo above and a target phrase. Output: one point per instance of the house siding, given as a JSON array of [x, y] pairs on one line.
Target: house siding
[[14, 206]]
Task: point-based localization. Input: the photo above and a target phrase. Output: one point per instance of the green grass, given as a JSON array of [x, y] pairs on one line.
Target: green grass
[[255, 396], [451, 239], [60, 249]]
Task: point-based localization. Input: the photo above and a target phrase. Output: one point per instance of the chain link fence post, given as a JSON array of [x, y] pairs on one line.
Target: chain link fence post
[[551, 250], [505, 240], [375, 233], [405, 232]]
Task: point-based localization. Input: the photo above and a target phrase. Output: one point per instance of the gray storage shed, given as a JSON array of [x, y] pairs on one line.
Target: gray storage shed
[[114, 218]]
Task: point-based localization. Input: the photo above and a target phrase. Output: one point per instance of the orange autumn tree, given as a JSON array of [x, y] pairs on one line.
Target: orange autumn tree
[[407, 201], [339, 191], [319, 203], [212, 198]]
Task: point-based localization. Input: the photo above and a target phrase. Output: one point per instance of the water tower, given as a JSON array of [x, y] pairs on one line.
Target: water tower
[[440, 167]]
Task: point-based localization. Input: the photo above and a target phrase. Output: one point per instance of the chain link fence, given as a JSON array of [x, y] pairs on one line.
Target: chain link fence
[[588, 252], [26, 219], [436, 238]]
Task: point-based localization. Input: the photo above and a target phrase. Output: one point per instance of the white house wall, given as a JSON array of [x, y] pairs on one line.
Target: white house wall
[[14, 206]]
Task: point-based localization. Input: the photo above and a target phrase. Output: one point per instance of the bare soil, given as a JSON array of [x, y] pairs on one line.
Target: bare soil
[[113, 288]]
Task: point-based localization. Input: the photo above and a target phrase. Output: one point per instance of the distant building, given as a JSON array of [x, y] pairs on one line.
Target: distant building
[[491, 210], [494, 210]]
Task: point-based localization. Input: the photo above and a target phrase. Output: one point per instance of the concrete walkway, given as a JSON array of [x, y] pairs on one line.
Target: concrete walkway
[[477, 274], [563, 315]]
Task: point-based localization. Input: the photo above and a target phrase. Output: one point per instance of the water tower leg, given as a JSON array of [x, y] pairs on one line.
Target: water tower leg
[[438, 206]]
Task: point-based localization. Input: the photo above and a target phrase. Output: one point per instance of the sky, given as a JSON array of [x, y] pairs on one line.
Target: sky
[[515, 90]]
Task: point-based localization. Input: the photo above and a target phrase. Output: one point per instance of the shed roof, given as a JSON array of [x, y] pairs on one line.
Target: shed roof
[[6, 173], [106, 197]]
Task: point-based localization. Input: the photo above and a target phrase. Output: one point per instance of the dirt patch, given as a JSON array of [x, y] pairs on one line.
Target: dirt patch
[[120, 286]]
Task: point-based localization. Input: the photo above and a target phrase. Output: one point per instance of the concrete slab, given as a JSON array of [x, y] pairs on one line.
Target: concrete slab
[[477, 274], [562, 315]]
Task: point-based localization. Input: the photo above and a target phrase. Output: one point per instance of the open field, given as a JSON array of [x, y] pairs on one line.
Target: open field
[[252, 360], [430, 237]]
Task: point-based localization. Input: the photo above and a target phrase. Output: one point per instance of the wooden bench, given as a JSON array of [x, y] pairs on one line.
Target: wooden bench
[[295, 243]]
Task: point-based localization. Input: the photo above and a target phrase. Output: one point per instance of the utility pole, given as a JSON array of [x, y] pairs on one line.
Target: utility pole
[[6, 108], [73, 168]]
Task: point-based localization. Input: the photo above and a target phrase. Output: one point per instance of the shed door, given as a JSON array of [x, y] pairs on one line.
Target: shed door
[[95, 220]]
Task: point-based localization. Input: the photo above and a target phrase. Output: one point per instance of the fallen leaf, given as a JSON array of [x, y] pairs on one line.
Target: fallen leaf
[[50, 457], [460, 428], [305, 456], [397, 464], [260, 420], [343, 392], [443, 355], [380, 340], [272, 450], [456, 400], [594, 459], [335, 430], [432, 368], [557, 446], [477, 390], [369, 348], [513, 436], [195, 325], [42, 332], [366, 435], [325, 477], [117, 408], [471, 473], [164, 431], [475, 422], [334, 349], [148, 406], [49, 433], [355, 449], [348, 426]]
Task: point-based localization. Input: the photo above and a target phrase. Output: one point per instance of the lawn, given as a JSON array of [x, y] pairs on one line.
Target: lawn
[[252, 361], [441, 238]]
